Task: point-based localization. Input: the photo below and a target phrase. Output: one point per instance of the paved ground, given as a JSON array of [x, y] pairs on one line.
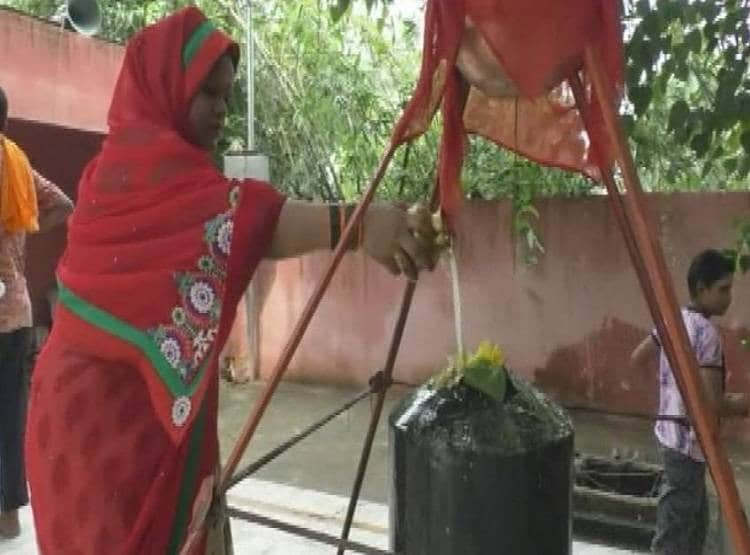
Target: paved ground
[[309, 484], [308, 508]]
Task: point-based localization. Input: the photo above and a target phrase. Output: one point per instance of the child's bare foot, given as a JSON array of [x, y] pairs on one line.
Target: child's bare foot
[[10, 527]]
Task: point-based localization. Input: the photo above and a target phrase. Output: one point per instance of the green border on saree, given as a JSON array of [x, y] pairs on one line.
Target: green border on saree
[[124, 331], [187, 485]]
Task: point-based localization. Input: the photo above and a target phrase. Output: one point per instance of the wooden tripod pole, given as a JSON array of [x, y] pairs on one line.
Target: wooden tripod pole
[[618, 208], [299, 330], [680, 355]]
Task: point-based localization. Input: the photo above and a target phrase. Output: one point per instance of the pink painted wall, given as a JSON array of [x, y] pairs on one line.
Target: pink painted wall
[[54, 76], [569, 322]]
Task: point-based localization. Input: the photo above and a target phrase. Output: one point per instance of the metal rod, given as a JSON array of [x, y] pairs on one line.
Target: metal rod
[[301, 531], [364, 458], [621, 215], [295, 439], [623, 219], [387, 377], [681, 357], [286, 356]]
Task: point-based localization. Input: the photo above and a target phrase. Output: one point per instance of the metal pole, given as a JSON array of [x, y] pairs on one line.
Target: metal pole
[[387, 380], [364, 458], [250, 60]]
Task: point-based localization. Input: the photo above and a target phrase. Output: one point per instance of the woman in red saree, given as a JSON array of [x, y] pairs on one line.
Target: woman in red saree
[[122, 433]]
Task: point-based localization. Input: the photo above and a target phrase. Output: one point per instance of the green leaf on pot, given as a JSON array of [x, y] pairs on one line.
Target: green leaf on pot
[[490, 380]]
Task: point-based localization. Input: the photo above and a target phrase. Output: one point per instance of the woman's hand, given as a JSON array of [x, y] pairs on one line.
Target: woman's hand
[[404, 241]]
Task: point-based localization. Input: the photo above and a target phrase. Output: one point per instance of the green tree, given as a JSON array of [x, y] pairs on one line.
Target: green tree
[[688, 81]]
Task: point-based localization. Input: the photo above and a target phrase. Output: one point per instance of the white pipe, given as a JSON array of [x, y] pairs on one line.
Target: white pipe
[[250, 57]]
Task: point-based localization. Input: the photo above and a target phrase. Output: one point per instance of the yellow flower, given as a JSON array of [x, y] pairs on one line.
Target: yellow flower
[[488, 353], [484, 370]]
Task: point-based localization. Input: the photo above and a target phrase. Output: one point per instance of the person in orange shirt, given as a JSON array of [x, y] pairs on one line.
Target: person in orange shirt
[[28, 203]]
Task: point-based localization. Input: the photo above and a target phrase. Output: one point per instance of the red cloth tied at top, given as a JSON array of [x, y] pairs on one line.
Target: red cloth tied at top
[[515, 57]]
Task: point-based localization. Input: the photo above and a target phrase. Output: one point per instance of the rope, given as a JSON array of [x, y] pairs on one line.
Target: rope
[[314, 535]]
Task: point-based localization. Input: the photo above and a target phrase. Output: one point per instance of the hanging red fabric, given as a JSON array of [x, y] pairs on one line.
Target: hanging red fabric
[[500, 68]]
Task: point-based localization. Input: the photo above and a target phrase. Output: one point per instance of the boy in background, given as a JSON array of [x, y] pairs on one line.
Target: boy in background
[[682, 512]]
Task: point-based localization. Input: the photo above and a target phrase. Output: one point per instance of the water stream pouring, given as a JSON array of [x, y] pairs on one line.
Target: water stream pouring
[[457, 308]]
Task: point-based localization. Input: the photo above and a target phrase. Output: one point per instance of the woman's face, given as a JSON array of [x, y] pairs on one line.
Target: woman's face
[[208, 109]]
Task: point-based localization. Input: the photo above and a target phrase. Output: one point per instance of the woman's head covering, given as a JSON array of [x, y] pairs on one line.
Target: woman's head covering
[[163, 68]]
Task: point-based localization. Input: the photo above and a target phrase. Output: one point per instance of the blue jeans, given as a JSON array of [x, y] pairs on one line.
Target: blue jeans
[[682, 512], [14, 350]]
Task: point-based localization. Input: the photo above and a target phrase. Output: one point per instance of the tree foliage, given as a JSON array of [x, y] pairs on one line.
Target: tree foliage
[[688, 81]]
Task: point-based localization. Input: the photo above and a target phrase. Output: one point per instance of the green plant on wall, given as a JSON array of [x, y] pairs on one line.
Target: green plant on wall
[[740, 252]]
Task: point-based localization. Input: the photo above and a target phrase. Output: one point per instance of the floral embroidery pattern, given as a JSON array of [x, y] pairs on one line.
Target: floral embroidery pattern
[[181, 410], [188, 339]]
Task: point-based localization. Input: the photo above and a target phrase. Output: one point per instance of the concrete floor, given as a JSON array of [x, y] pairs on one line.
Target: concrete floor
[[330, 455], [309, 485], [302, 507]]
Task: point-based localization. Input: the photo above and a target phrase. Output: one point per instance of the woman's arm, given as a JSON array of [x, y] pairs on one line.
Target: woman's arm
[[400, 240], [302, 227]]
